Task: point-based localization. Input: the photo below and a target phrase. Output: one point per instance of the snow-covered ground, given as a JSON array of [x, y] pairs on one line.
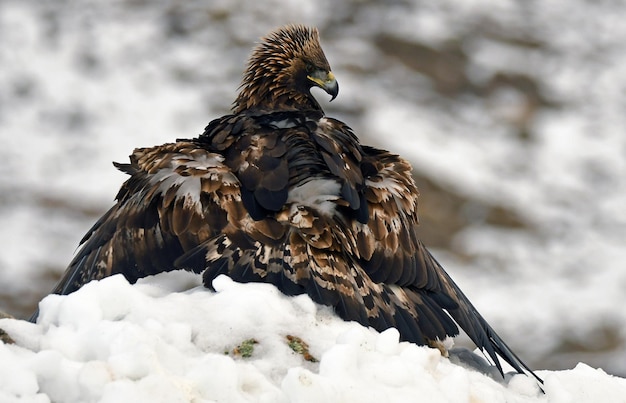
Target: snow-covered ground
[[521, 106], [158, 342]]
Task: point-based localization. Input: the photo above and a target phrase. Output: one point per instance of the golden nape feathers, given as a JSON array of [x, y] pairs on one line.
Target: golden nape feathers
[[277, 192], [281, 71]]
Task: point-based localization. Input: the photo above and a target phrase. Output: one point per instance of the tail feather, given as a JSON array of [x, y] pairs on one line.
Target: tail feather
[[480, 332]]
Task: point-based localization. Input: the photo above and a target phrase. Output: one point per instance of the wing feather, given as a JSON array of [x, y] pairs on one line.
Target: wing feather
[[426, 293], [166, 205]]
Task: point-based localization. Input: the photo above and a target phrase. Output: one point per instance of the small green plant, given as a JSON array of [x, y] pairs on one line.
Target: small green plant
[[246, 348], [300, 347]]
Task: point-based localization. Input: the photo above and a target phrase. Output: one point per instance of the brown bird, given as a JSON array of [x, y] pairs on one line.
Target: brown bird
[[277, 192]]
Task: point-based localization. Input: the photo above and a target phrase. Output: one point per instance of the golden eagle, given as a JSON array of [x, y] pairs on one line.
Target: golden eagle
[[278, 192]]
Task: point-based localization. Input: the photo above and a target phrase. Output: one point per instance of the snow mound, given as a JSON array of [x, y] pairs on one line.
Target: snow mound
[[157, 341]]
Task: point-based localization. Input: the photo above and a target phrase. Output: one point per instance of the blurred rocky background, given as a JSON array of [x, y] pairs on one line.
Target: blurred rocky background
[[512, 113]]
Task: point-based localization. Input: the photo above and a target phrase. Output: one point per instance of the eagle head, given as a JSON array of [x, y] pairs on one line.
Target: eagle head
[[282, 69]]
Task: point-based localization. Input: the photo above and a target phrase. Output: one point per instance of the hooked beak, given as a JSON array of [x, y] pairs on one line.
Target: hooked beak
[[326, 81]]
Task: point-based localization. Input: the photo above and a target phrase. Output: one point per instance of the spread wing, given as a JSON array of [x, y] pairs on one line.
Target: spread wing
[[177, 196], [391, 253]]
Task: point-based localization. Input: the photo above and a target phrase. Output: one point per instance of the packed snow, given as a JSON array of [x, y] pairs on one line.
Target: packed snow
[[161, 341]]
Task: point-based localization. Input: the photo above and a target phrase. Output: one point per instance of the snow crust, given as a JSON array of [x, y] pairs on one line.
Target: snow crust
[[159, 341]]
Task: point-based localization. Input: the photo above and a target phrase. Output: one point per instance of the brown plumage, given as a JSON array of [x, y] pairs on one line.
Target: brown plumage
[[277, 192]]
